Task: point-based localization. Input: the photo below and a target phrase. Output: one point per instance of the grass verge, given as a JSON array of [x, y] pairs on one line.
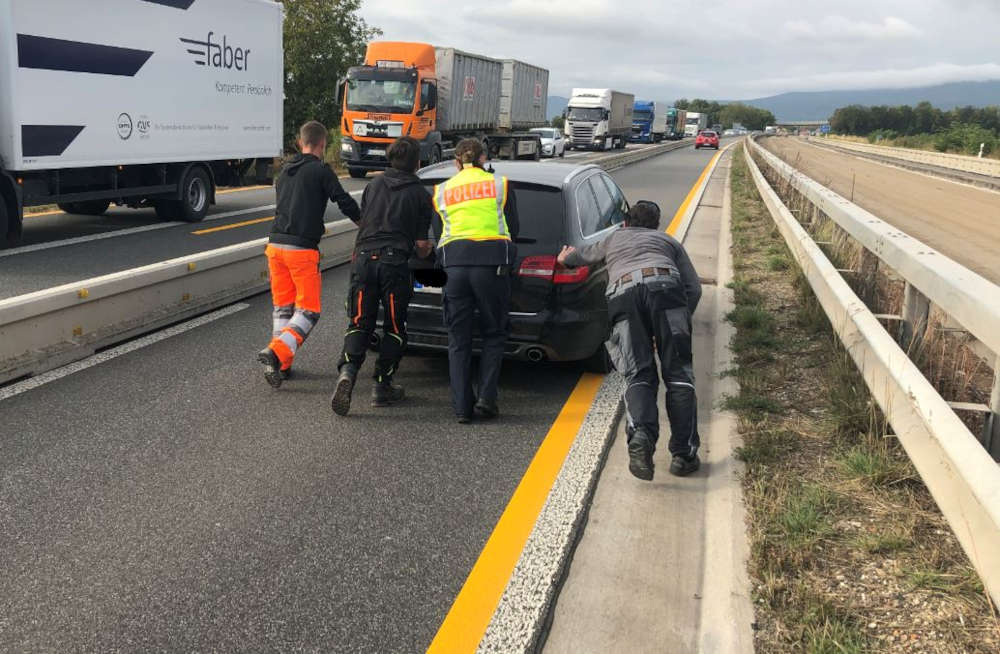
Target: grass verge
[[849, 554]]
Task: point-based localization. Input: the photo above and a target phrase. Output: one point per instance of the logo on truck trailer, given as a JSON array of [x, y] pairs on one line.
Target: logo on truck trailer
[[218, 55], [124, 126]]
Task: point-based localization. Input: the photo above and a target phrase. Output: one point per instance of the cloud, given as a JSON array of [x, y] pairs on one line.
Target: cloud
[[844, 29]]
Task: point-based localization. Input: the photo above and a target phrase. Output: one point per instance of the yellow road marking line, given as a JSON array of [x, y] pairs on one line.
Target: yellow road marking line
[[42, 213], [675, 222], [240, 190], [211, 230], [473, 608]]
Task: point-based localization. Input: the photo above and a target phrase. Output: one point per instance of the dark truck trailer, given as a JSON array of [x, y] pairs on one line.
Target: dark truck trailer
[[157, 112]]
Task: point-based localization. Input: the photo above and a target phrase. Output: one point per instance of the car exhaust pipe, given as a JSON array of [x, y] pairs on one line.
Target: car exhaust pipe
[[535, 354]]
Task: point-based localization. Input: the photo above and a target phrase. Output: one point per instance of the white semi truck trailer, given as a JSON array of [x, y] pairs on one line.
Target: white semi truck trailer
[[599, 119], [155, 108]]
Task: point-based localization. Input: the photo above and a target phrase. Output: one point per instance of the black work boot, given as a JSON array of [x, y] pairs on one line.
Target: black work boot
[[681, 466], [485, 411], [385, 393], [272, 367], [640, 456], [340, 401]]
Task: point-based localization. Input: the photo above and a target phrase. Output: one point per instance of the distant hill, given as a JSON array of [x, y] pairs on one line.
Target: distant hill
[[820, 105], [556, 105]]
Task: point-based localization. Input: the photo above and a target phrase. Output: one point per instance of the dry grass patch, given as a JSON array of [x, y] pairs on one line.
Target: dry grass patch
[[849, 554]]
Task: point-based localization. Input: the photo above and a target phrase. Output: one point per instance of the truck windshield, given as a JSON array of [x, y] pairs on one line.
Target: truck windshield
[[693, 121], [586, 113], [641, 116], [380, 96]]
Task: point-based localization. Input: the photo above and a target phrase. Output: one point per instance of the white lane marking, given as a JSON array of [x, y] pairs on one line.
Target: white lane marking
[[132, 230], [31, 383]]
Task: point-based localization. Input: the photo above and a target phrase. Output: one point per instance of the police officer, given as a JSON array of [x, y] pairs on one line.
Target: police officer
[[476, 226], [652, 292]]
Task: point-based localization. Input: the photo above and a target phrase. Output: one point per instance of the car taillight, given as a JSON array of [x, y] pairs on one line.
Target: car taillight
[[548, 267]]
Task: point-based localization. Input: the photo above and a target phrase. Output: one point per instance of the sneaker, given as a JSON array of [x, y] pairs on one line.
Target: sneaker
[[682, 465], [640, 457], [385, 393], [464, 420], [272, 367], [340, 401], [484, 411]]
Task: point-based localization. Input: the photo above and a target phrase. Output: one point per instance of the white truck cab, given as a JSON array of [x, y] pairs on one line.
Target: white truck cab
[[599, 119]]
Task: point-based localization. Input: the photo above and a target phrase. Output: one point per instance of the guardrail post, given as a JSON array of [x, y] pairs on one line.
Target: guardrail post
[[991, 430], [915, 312]]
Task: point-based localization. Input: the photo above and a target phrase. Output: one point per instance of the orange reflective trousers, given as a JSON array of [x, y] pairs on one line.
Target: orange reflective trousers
[[296, 285]]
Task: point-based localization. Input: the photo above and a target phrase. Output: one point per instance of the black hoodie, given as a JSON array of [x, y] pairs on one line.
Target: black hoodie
[[304, 187], [396, 210]]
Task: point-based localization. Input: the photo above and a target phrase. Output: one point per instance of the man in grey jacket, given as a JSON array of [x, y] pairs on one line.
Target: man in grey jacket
[[653, 290]]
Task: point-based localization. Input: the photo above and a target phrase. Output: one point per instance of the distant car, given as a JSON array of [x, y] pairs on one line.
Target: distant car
[[553, 141], [557, 314], [706, 139], [729, 132]]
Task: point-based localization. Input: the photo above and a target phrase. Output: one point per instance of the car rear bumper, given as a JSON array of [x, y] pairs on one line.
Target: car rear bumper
[[562, 335]]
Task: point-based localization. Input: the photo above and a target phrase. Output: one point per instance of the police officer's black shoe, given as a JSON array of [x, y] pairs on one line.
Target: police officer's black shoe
[[640, 457], [682, 465], [340, 402], [385, 393], [484, 411], [272, 367]]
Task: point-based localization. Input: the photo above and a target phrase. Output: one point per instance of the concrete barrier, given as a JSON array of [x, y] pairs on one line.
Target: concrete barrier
[[961, 476], [984, 166]]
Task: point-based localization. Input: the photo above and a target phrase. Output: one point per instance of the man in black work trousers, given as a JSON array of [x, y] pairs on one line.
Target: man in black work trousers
[[476, 226], [395, 220], [652, 292]]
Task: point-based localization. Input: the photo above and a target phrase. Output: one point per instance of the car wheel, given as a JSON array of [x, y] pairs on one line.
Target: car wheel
[[357, 173], [562, 153], [599, 362]]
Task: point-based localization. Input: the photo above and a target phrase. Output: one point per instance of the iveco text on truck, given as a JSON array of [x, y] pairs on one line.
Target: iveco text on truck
[[694, 123], [153, 109], [599, 119], [649, 122], [439, 96]]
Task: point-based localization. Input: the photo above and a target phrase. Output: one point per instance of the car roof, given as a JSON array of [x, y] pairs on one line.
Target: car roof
[[531, 172]]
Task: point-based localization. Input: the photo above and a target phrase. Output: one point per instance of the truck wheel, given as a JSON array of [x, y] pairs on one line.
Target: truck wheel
[[562, 153], [357, 173], [598, 362], [4, 224], [193, 205]]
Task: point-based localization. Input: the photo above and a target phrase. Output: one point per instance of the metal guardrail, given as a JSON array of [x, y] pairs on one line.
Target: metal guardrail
[[961, 476], [989, 167], [50, 328]]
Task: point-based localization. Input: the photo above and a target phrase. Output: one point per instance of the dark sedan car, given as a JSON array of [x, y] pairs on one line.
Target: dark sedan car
[[557, 314]]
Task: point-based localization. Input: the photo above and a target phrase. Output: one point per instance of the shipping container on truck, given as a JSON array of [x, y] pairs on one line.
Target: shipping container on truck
[[676, 122], [599, 119], [649, 122], [154, 109], [439, 96]]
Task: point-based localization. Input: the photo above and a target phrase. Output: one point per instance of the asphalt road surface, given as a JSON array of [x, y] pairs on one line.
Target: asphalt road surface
[[59, 248], [168, 499], [960, 221]]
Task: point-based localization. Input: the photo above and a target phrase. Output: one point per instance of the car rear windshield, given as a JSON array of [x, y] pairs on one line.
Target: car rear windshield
[[708, 134], [540, 211]]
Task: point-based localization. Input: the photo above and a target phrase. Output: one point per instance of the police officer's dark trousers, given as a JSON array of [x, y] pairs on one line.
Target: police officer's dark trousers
[[378, 277], [485, 289], [654, 313]]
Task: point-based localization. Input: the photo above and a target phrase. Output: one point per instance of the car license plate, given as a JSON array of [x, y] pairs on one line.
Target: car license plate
[[377, 153], [432, 290]]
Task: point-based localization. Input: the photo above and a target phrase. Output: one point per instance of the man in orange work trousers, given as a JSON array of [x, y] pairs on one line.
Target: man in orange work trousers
[[305, 185]]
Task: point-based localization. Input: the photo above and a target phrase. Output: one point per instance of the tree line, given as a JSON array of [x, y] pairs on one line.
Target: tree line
[[727, 113], [961, 129]]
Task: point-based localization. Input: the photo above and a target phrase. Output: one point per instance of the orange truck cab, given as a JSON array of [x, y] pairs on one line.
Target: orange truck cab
[[438, 96]]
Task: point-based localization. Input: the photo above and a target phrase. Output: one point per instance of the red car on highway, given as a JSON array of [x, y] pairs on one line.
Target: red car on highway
[[707, 139]]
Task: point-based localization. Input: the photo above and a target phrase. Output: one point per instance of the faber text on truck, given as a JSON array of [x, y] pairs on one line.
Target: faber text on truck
[[135, 116], [439, 96]]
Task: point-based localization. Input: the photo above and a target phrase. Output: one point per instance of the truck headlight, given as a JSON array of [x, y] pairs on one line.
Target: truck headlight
[[345, 148]]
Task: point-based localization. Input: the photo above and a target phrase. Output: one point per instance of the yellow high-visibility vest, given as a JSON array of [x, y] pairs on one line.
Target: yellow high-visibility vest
[[471, 206]]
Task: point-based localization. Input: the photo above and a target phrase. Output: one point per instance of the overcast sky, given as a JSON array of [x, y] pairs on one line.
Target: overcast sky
[[724, 49]]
